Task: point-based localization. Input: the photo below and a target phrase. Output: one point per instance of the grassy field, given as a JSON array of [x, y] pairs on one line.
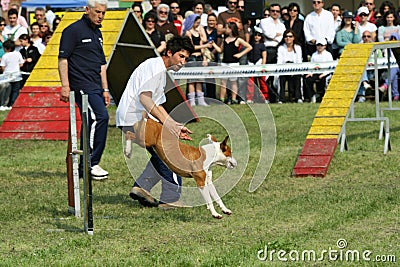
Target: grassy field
[[358, 201]]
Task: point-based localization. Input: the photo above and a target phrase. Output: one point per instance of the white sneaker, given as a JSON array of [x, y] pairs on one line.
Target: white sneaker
[[314, 99], [266, 101], [366, 85], [299, 101], [3, 108], [98, 171], [361, 99]]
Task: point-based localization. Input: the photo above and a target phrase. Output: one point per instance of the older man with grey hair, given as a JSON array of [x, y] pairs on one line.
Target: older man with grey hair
[[82, 68], [163, 24]]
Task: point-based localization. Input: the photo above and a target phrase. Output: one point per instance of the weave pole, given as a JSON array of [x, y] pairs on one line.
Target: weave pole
[[74, 204], [87, 177]]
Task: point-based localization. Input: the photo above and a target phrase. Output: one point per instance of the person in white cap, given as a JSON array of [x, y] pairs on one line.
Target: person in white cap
[[321, 55], [319, 24], [365, 25]]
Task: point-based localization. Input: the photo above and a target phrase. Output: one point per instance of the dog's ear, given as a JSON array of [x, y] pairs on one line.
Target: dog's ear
[[224, 145]]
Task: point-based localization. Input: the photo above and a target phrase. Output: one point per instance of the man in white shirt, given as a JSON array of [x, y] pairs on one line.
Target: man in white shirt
[[144, 92], [319, 24], [273, 29], [13, 31]]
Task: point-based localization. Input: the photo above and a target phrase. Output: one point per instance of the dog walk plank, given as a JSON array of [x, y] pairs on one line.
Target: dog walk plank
[[322, 138]]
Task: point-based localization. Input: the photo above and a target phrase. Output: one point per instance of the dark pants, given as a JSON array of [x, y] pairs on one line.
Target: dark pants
[[309, 86], [98, 124], [294, 83], [155, 171], [15, 87], [272, 58]]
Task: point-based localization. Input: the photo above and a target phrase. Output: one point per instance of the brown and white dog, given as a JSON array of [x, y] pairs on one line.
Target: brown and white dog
[[186, 160]]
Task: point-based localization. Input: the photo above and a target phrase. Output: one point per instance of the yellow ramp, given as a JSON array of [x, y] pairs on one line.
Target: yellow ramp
[[45, 73], [322, 138]]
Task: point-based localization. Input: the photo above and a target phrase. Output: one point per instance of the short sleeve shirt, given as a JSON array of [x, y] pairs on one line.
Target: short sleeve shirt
[[149, 76], [82, 45]]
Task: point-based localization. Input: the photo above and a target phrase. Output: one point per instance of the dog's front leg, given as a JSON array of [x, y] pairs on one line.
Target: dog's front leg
[[205, 192], [214, 194]]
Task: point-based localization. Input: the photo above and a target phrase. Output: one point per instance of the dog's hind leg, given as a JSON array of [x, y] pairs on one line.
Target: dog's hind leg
[[200, 178], [214, 194]]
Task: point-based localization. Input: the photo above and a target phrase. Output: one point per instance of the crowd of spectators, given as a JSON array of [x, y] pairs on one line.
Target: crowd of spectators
[[21, 46], [288, 37]]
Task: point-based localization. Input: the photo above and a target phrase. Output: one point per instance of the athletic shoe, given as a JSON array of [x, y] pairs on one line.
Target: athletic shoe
[[99, 178], [266, 101], [299, 101], [98, 171], [314, 99], [3, 108], [143, 196], [361, 99], [280, 102]]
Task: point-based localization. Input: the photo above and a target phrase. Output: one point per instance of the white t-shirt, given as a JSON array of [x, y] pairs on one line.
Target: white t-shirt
[[149, 76], [40, 46], [11, 61], [16, 30]]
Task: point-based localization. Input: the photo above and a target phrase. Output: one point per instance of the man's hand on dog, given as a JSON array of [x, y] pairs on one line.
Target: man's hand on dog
[[177, 129]]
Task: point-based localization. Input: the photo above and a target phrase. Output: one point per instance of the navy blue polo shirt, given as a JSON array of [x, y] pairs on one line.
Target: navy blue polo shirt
[[82, 44]]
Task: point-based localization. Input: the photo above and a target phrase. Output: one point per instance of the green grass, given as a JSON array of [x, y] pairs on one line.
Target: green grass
[[358, 200]]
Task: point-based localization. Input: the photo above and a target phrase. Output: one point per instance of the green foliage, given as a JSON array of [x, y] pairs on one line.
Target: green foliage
[[358, 201]]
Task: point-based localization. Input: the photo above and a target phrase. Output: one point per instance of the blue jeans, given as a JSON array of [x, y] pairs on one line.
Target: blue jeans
[[15, 87], [155, 171]]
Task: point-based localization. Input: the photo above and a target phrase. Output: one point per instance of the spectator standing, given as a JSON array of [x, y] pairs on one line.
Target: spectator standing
[[156, 36], [383, 8], [50, 16], [289, 51], [232, 14], [273, 30], [30, 54], [137, 10], [2, 36], [390, 26], [44, 28], [198, 8], [257, 56], [210, 30], [56, 21], [336, 11], [208, 9], [319, 24], [285, 14], [370, 4], [319, 56], [197, 58], [35, 37], [163, 24], [349, 32], [145, 92], [82, 68], [365, 25], [266, 13], [11, 62], [13, 31], [178, 19], [40, 15], [21, 20], [46, 38], [297, 25], [231, 56]]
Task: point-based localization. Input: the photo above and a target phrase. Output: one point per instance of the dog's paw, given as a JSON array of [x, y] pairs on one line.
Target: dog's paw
[[227, 211], [217, 216]]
